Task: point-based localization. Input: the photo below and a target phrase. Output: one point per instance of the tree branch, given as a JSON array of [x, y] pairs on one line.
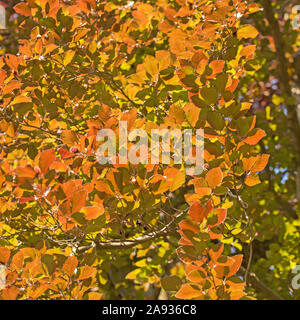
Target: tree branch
[[260, 286], [117, 244]]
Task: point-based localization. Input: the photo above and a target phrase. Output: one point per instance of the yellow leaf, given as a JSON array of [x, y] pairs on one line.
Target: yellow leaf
[[21, 99], [132, 275], [94, 296], [245, 106], [151, 65], [68, 57], [93, 47], [246, 32]]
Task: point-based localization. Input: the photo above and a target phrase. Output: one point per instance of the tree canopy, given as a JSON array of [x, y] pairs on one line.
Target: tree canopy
[[73, 228]]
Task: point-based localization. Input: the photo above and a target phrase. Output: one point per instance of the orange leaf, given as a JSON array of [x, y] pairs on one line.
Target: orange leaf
[[173, 179], [68, 137], [26, 172], [177, 113], [47, 157], [248, 163], [70, 265], [248, 51], [188, 292], [10, 293], [17, 260], [214, 177], [192, 113], [197, 275], [188, 225], [151, 65], [261, 163], [130, 117], [252, 180], [65, 154], [221, 214], [197, 212], [86, 272], [12, 61], [217, 66], [50, 47], [23, 9], [2, 76], [237, 261], [256, 136], [233, 85], [4, 254], [216, 252], [11, 86], [91, 213], [78, 200], [203, 191], [178, 179]]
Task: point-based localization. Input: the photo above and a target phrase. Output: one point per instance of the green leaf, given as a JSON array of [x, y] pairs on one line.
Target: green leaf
[[231, 110], [220, 190], [96, 224], [243, 125], [32, 151], [227, 96], [37, 72], [198, 102], [215, 120], [210, 95], [79, 218], [23, 108], [171, 283], [221, 82], [48, 261]]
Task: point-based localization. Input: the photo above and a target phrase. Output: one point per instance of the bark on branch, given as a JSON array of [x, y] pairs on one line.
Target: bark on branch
[[117, 244]]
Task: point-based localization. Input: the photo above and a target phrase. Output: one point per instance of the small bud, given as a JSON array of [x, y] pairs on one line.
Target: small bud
[[37, 170], [74, 149]]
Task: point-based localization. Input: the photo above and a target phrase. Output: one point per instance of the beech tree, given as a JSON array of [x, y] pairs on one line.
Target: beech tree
[[73, 228]]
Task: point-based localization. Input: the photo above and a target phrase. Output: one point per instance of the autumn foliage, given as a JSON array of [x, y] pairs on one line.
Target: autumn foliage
[[71, 228]]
